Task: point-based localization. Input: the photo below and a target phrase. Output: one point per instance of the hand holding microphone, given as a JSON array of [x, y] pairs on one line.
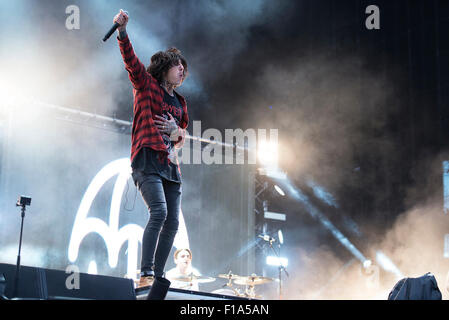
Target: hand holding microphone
[[121, 19], [120, 22]]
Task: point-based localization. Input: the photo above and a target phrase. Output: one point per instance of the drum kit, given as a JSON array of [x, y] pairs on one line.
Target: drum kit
[[249, 283]]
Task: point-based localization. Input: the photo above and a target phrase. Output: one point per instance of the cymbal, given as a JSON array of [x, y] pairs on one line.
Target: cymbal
[[252, 280], [190, 278], [229, 276]]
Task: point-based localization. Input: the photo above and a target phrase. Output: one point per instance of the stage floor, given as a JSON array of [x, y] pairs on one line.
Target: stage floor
[[181, 294]]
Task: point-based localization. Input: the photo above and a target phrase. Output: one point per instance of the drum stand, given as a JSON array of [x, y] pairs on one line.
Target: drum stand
[[229, 284]]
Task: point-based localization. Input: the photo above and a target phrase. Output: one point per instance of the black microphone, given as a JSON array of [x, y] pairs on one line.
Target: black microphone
[[111, 31], [266, 237]]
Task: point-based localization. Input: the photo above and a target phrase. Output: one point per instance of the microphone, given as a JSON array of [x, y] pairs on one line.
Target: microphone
[[266, 237], [111, 31]]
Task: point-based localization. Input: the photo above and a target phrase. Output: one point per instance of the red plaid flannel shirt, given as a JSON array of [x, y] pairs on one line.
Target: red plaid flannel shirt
[[148, 97]]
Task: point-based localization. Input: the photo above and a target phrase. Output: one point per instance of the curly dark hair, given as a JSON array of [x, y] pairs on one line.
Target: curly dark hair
[[162, 61]]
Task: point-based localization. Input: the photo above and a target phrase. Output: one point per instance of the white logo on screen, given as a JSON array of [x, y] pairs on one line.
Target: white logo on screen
[[114, 237]]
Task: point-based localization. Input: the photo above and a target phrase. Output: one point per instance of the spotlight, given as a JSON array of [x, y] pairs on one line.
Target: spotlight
[[367, 263], [279, 190], [268, 153], [281, 237], [275, 261], [274, 215]]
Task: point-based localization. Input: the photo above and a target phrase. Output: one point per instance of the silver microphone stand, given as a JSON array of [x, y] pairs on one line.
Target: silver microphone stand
[[281, 267]]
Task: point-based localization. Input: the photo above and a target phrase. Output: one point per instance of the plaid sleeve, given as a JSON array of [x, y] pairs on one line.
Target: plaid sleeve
[[136, 69]]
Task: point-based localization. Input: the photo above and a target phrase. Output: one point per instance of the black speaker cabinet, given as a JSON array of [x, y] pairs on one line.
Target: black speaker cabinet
[[48, 284]]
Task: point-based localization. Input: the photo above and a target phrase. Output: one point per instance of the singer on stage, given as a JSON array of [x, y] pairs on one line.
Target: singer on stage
[[160, 119]]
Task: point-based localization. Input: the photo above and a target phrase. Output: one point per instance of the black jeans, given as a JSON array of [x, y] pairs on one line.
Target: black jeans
[[163, 199]]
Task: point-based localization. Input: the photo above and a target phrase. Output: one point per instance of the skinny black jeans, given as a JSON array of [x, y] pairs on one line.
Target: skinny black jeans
[[163, 199]]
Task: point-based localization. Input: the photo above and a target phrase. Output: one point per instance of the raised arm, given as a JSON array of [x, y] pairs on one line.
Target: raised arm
[[136, 69]]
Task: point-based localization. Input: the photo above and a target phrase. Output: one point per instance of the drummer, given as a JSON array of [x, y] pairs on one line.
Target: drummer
[[183, 269]]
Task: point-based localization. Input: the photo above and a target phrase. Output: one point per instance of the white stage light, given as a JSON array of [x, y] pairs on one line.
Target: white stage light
[[367, 263], [267, 152], [279, 190], [275, 261], [281, 237]]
